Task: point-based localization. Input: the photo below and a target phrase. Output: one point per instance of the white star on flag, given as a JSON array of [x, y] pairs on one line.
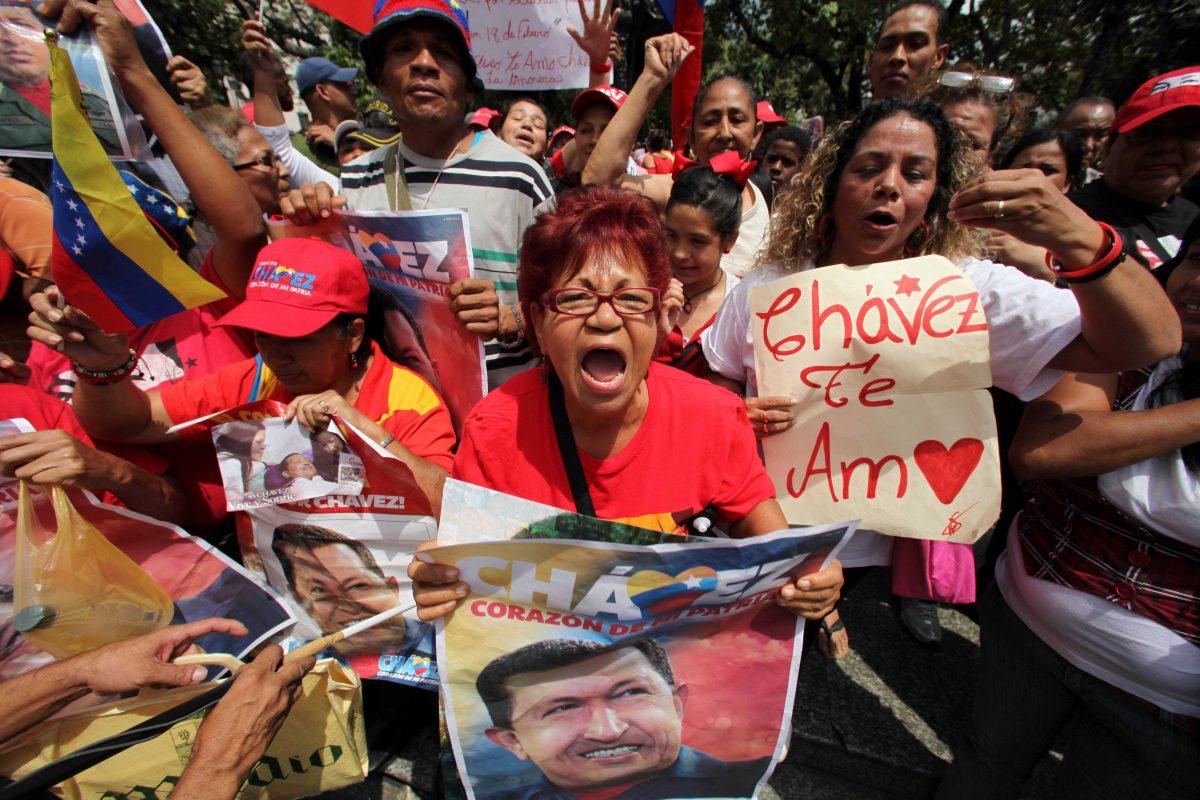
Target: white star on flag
[[132, 188], [80, 239], [71, 204], [692, 582], [60, 184], [78, 223], [76, 249]]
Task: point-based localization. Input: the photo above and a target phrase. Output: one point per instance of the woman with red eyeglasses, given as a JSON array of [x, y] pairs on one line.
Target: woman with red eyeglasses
[[601, 428]]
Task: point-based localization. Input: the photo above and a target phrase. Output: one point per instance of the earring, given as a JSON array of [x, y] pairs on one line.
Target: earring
[[825, 231], [354, 360], [919, 240]]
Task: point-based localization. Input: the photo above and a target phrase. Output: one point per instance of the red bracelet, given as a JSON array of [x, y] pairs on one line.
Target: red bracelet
[[601, 69], [1098, 268]]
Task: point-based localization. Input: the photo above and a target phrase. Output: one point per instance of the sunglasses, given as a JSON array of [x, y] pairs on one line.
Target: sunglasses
[[267, 159], [996, 84]]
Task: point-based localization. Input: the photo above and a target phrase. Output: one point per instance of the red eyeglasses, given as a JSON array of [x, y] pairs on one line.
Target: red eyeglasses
[[576, 302]]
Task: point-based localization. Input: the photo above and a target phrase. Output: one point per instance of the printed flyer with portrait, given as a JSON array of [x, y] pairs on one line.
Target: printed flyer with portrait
[[889, 363], [199, 579], [574, 666], [412, 258]]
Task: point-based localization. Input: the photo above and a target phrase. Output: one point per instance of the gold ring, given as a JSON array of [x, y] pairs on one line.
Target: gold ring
[[1000, 210]]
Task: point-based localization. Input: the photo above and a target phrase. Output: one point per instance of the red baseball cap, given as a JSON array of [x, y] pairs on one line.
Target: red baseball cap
[[561, 130], [767, 115], [598, 94], [298, 286], [1158, 96], [484, 117]]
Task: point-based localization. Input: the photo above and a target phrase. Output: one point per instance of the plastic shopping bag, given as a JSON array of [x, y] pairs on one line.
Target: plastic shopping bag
[[322, 745], [74, 591]]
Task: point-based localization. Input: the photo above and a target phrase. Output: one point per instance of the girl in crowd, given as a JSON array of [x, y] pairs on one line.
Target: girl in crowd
[[1059, 155], [701, 223], [246, 444], [723, 120], [1093, 617], [893, 183], [313, 354], [597, 425], [525, 126], [658, 160]]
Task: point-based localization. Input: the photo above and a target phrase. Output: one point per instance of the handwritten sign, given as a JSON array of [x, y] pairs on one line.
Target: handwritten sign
[[523, 45], [888, 363]]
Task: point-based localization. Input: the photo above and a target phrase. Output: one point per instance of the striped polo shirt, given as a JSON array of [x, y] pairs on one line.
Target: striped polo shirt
[[496, 185]]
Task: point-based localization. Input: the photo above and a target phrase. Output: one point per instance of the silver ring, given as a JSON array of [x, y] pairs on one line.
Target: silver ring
[[1000, 210], [324, 406]]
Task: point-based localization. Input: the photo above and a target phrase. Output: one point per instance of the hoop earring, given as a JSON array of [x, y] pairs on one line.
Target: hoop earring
[[915, 246], [825, 231]]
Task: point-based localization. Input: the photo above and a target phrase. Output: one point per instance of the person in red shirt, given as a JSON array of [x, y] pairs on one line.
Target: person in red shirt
[[593, 282], [306, 305]]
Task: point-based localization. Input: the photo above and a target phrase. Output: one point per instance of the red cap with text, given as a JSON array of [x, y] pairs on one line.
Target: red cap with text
[[1158, 96], [603, 93], [298, 286]]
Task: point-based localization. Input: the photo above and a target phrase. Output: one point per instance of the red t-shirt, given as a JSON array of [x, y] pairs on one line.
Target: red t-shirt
[[694, 449], [186, 346], [395, 397]]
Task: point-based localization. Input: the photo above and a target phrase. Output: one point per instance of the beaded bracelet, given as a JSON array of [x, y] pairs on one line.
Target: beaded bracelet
[[109, 376], [1098, 268]]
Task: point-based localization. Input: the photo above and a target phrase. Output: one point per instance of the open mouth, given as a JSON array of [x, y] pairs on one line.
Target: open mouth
[[880, 220], [612, 752], [525, 138], [604, 369]]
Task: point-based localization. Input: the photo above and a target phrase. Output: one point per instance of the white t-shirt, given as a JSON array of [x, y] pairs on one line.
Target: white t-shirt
[[1160, 492], [752, 234], [1129, 651], [1029, 322]]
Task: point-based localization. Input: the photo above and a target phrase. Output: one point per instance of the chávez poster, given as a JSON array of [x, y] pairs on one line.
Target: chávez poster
[[577, 666], [889, 363], [413, 257]]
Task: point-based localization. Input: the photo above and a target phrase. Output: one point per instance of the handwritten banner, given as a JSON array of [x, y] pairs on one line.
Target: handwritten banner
[[523, 45], [888, 363]]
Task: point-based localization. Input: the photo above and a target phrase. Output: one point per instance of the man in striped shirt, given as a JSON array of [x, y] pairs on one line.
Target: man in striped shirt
[[418, 55]]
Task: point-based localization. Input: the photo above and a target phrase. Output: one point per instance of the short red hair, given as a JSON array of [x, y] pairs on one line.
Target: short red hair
[[584, 223]]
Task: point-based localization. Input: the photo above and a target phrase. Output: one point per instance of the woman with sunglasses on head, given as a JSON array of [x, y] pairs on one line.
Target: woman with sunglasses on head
[[1092, 628], [594, 285], [894, 183], [986, 109]]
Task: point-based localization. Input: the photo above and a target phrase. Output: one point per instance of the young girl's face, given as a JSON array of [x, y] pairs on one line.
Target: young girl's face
[[696, 246]]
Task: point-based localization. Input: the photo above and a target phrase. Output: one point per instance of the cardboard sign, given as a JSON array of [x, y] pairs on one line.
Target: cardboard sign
[[522, 46], [888, 363]]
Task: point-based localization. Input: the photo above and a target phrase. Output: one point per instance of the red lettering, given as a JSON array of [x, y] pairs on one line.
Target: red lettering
[[972, 301], [534, 616], [833, 382], [883, 330], [819, 316], [874, 468], [789, 345], [940, 305], [496, 610], [477, 608], [516, 612], [874, 387], [821, 445], [913, 326]]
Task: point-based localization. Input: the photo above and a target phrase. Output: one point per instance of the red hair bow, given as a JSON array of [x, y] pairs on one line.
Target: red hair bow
[[729, 164]]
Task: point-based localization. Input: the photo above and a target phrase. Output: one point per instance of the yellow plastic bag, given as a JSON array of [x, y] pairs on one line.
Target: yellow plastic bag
[[321, 746], [74, 590]]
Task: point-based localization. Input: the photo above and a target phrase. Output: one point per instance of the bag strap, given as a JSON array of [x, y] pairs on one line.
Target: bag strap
[[567, 449]]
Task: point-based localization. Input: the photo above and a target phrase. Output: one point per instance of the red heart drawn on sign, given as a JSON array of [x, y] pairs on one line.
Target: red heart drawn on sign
[[947, 471]]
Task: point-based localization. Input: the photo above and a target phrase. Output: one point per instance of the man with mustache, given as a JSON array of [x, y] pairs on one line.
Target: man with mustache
[[1153, 148], [601, 720]]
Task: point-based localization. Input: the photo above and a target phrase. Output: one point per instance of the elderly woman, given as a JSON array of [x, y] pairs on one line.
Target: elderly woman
[[1092, 624], [313, 354], [598, 425], [892, 183]]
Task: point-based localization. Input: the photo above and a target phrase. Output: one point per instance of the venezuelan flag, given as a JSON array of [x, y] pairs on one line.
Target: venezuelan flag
[[108, 259], [687, 19]]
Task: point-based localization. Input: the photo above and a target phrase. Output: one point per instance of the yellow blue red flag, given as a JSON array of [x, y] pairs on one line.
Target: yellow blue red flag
[[108, 258]]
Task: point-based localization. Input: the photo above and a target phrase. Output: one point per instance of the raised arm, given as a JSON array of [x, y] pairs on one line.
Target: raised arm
[[215, 187], [1072, 431], [607, 163], [596, 39], [1127, 320]]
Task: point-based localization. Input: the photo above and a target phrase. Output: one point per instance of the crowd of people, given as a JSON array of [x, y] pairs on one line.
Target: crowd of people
[[613, 272]]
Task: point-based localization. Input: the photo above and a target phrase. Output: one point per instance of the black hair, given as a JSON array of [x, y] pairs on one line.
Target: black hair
[[718, 195], [790, 133], [1089, 100], [554, 654], [524, 98], [1011, 110], [945, 134], [1071, 146], [938, 8], [711, 82], [306, 537], [657, 139], [379, 302]]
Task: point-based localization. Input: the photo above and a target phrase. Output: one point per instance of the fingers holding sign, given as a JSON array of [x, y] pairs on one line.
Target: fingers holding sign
[[436, 587], [771, 415]]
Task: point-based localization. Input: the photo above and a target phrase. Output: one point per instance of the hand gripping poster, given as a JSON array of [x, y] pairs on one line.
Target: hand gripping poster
[[412, 258], [200, 581], [578, 667], [889, 363]]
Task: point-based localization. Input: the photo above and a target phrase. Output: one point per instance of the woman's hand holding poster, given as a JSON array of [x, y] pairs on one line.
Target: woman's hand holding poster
[[575, 666], [889, 363]]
